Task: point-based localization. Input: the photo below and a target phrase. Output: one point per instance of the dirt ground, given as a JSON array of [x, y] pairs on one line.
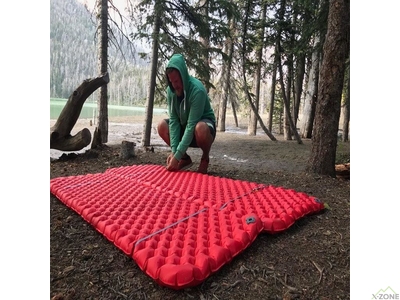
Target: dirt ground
[[310, 260]]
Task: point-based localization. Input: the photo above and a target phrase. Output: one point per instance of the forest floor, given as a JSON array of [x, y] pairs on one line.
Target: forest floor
[[309, 260]]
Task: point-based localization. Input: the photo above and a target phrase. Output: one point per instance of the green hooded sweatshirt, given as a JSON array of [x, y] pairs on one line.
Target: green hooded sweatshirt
[[187, 113]]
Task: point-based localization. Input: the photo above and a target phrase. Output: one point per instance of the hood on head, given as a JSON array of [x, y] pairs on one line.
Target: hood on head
[[177, 61]]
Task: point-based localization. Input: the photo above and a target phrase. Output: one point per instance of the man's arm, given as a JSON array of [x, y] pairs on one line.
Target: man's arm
[[197, 103]]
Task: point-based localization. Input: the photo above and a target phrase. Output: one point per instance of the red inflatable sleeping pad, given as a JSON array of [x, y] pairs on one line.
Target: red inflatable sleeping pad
[[180, 227]]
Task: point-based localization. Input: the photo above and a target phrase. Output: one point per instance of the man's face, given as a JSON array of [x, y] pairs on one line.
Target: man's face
[[176, 81]]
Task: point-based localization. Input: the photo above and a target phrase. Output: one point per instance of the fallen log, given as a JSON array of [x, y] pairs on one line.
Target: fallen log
[[60, 133], [343, 171]]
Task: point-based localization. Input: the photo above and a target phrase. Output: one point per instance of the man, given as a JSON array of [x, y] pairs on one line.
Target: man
[[191, 120]]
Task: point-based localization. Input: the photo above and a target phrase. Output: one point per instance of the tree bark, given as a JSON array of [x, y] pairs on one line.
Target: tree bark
[[252, 128], [273, 87], [205, 41], [346, 110], [101, 134], [226, 81], [146, 137], [288, 124], [247, 92], [307, 120], [234, 113], [286, 102], [336, 50], [60, 133], [301, 63]]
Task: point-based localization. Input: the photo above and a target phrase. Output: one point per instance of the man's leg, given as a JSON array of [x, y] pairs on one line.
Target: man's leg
[[163, 131], [204, 140]]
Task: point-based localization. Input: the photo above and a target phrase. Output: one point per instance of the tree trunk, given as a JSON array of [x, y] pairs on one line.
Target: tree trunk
[[221, 112], [335, 53], [285, 97], [310, 100], [252, 128], [234, 113], [146, 138], [60, 133], [346, 109], [226, 82], [288, 127], [101, 132], [301, 57], [287, 104], [248, 96], [298, 90], [273, 86], [277, 58], [205, 41]]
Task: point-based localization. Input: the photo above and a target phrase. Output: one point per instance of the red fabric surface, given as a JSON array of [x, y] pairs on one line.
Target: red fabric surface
[[180, 227]]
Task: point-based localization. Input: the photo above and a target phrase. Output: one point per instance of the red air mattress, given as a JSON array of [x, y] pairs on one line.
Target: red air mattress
[[180, 227]]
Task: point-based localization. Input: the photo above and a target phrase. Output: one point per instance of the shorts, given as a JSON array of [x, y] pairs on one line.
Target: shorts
[[211, 126]]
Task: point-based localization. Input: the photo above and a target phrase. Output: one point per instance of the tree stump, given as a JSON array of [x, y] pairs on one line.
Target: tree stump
[[127, 149], [60, 133]]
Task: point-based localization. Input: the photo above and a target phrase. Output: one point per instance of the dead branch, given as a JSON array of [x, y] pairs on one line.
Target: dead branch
[[320, 270], [60, 133]]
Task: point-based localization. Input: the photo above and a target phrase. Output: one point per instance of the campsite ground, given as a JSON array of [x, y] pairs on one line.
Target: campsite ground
[[310, 260]]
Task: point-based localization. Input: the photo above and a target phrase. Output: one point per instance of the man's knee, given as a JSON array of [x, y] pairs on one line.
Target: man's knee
[[202, 131], [162, 128]]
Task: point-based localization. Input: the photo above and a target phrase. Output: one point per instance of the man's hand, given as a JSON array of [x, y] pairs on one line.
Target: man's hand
[[169, 158], [172, 163]]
